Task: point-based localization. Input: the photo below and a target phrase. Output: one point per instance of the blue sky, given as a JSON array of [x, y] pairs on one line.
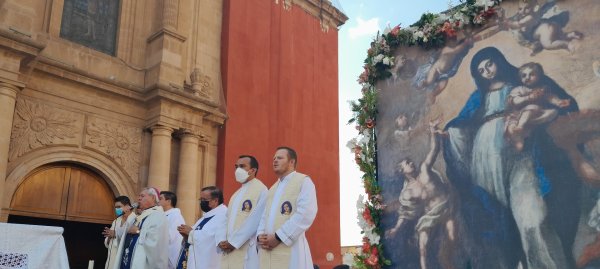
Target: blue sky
[[365, 19]]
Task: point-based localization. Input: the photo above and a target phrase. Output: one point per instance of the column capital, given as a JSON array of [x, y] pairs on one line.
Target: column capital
[[190, 134], [9, 90], [161, 130]]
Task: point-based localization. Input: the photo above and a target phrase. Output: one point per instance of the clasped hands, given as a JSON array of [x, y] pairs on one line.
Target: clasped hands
[[267, 241], [184, 230], [226, 246]]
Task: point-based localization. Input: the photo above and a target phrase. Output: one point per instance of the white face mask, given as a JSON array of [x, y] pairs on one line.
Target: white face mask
[[241, 175]]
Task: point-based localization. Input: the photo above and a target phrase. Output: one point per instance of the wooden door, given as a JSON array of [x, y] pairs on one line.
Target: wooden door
[[64, 192]]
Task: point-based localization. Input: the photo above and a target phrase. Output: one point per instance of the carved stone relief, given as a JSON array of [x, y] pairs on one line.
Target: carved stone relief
[[36, 125], [201, 83], [122, 143]]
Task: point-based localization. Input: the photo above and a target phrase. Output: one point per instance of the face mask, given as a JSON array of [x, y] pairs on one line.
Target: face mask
[[204, 206], [241, 175], [119, 211]]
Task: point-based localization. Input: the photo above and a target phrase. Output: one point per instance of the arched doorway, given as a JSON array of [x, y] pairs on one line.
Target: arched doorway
[[70, 196]]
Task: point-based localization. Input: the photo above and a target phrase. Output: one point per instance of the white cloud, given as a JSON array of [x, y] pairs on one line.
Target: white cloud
[[364, 28]]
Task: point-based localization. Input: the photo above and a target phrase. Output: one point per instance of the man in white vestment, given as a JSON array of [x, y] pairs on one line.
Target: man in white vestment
[[168, 201], [145, 245], [245, 210], [290, 210], [117, 230], [201, 250]]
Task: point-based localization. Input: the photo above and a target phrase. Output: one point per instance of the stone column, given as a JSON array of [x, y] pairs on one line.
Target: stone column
[[8, 98], [160, 157], [186, 183]]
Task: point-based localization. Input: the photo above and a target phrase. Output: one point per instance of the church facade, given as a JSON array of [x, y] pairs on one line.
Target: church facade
[[102, 98]]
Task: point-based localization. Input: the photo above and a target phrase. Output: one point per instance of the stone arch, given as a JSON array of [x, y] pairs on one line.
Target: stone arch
[[119, 182]]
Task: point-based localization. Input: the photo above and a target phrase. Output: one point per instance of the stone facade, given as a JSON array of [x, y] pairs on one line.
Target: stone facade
[[147, 115], [152, 112]]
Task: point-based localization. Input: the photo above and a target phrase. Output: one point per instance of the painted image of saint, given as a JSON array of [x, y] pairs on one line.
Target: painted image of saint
[[286, 208], [247, 206]]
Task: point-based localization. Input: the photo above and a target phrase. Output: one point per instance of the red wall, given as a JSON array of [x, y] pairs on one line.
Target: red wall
[[280, 77]]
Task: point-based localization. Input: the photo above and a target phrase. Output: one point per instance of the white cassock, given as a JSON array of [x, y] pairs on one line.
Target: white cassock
[[113, 243], [204, 252], [149, 250], [247, 229], [292, 231], [175, 219]]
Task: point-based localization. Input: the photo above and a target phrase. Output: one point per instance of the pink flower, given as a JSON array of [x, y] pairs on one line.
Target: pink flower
[[395, 31], [448, 29], [366, 247], [373, 260], [367, 216], [364, 76], [370, 123]]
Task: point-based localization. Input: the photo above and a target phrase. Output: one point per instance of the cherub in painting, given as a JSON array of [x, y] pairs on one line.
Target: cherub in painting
[[434, 75], [541, 27]]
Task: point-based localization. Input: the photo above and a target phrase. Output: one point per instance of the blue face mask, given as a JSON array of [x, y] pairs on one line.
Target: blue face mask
[[119, 211]]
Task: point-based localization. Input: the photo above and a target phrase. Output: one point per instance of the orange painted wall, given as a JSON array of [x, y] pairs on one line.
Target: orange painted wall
[[280, 77]]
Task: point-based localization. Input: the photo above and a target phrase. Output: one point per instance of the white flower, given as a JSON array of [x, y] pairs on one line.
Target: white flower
[[485, 3], [373, 237], [441, 18], [459, 16], [360, 204], [388, 61], [351, 144], [364, 140], [366, 85], [378, 58], [418, 34]]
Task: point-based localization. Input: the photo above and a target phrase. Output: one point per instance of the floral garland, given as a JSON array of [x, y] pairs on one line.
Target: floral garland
[[431, 31]]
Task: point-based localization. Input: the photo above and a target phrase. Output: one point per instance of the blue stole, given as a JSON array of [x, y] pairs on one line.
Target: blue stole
[[185, 246], [130, 241]]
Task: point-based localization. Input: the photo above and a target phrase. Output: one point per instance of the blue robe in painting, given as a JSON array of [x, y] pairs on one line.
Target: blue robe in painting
[[517, 206]]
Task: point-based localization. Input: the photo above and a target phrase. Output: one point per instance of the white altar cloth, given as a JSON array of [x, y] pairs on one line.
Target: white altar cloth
[[31, 247]]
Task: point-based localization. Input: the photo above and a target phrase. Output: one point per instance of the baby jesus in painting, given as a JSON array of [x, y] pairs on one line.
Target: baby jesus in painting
[[531, 104]]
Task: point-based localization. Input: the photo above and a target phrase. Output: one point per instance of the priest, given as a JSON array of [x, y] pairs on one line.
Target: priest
[[145, 245], [246, 207], [290, 210], [200, 249]]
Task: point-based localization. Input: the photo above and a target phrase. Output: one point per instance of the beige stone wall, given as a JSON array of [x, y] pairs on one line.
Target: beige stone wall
[[130, 117]]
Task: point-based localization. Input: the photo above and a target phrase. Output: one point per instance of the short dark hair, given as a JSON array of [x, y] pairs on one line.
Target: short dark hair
[[214, 193], [291, 154], [253, 162], [124, 200], [170, 196]]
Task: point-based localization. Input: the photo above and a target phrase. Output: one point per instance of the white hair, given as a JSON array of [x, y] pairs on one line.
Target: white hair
[[153, 191]]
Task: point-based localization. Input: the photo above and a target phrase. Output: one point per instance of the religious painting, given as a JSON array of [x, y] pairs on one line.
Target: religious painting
[[92, 23], [488, 149], [286, 208], [247, 206]]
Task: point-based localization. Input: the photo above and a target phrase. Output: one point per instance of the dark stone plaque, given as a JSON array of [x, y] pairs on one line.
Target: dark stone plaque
[[92, 23]]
